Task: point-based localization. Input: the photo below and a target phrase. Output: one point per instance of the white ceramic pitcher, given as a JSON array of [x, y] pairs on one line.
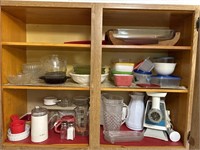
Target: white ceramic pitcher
[[134, 120]]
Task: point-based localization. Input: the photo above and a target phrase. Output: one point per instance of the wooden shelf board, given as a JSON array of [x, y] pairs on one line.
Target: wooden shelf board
[[106, 86], [109, 86], [147, 47], [105, 47], [64, 86], [52, 141], [147, 141], [43, 45]]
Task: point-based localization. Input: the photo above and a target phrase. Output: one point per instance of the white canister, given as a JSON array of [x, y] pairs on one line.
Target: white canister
[[136, 112], [39, 124]]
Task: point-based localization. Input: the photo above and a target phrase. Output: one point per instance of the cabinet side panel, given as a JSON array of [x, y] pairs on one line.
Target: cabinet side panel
[[177, 104], [183, 26], [13, 102], [13, 30], [12, 60], [195, 132]]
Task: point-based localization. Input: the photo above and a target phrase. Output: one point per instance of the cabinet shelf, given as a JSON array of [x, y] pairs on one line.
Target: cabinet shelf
[[145, 142], [105, 47], [53, 141], [25, 45], [146, 47], [66, 86], [109, 86]]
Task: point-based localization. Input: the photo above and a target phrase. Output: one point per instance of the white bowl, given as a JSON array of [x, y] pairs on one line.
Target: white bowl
[[19, 136], [164, 68], [85, 78]]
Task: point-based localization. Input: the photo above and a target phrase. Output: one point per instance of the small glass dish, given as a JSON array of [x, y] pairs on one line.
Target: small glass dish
[[19, 79]]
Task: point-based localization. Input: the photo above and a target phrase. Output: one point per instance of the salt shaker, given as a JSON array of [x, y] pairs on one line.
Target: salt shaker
[[63, 130], [70, 131]]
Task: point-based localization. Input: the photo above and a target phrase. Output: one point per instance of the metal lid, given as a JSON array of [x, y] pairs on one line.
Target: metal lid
[[38, 111]]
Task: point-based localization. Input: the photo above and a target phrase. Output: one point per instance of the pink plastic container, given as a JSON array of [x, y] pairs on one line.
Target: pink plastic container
[[123, 79]]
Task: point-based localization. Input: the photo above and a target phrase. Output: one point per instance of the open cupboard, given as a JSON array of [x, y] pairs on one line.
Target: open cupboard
[[30, 30]]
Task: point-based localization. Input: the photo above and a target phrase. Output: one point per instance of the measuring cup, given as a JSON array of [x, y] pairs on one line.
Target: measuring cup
[[115, 112]]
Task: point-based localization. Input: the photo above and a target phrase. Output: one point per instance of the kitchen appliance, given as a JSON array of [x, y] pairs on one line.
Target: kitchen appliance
[[155, 112], [39, 124]]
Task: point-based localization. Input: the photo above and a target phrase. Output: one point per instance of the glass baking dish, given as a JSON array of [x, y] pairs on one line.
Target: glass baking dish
[[144, 33], [123, 136]]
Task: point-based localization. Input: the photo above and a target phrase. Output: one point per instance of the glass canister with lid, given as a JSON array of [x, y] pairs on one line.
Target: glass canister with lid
[[81, 114]]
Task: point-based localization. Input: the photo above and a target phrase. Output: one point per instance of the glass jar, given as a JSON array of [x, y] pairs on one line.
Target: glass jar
[[63, 130], [81, 114]]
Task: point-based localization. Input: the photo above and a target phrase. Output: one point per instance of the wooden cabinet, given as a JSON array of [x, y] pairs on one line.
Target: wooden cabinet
[[30, 30]]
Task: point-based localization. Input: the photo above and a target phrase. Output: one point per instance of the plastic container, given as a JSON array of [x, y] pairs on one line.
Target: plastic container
[[123, 136], [121, 72], [124, 67], [142, 77], [123, 79], [166, 81], [164, 60], [146, 65]]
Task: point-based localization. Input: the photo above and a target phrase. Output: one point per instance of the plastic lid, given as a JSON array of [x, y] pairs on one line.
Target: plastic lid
[[39, 111], [142, 72], [80, 100], [166, 77]]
